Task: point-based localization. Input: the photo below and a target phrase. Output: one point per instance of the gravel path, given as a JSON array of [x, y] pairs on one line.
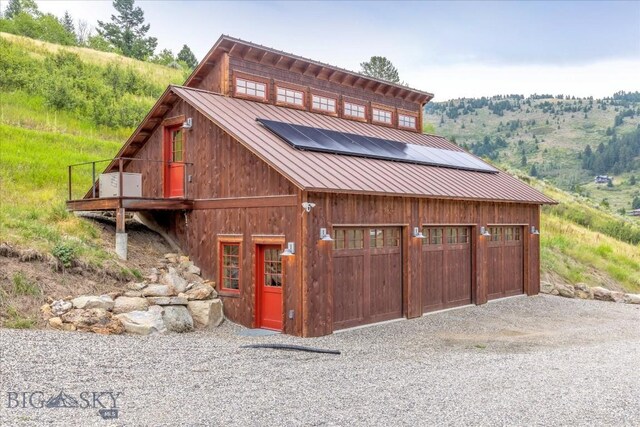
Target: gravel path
[[521, 361]]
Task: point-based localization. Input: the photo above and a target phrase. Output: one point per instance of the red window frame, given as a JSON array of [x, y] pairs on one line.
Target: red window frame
[[223, 274], [373, 119], [351, 116], [411, 116]]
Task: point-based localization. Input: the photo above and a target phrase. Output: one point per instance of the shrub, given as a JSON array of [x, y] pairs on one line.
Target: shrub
[[65, 253]]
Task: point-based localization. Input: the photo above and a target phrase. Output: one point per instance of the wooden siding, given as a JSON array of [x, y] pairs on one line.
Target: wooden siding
[[220, 166]]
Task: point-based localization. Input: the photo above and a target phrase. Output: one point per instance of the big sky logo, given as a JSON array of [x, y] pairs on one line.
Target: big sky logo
[[106, 402]]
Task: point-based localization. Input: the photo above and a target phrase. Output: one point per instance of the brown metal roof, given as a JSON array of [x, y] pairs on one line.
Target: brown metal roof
[[324, 172], [270, 56]]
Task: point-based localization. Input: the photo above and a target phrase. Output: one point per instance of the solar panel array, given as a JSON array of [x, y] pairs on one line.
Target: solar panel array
[[331, 141]]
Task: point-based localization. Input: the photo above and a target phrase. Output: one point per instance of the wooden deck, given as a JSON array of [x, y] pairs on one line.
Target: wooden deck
[[129, 203]]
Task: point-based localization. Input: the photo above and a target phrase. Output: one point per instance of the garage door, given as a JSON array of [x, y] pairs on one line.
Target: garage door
[[505, 261], [446, 267], [367, 275]]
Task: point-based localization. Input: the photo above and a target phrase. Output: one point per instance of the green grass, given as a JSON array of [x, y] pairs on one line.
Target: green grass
[[23, 286]]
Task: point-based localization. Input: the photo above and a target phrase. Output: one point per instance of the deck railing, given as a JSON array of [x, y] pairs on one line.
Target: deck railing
[[80, 173]]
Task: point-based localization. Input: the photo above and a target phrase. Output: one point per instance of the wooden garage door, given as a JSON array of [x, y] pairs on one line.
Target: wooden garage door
[[367, 276], [505, 261], [446, 267]]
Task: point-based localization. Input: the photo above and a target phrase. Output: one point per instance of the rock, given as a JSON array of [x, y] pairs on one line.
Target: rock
[[193, 269], [206, 314], [602, 294], [154, 270], [200, 292], [86, 302], [114, 294], [55, 323], [632, 298], [583, 291], [46, 312], [84, 319], [185, 265], [114, 327], [617, 296], [184, 258], [60, 307], [170, 255], [127, 304], [158, 291], [172, 278], [177, 319], [167, 300], [153, 278], [565, 290], [136, 286], [133, 294], [192, 278], [546, 287], [69, 327], [143, 322]]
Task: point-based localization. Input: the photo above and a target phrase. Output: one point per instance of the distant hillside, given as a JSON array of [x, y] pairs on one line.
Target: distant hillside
[[545, 134]]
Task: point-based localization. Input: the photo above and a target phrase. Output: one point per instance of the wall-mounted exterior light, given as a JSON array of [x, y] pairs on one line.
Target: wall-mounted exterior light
[[534, 230], [290, 250], [324, 236], [484, 232], [188, 124], [417, 233]]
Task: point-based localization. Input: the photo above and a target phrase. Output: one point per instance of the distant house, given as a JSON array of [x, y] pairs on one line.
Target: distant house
[[634, 212], [313, 199], [603, 179]]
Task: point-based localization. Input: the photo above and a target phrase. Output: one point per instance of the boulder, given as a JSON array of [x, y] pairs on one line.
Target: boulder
[[184, 258], [167, 300], [177, 319], [158, 291], [172, 278], [200, 292], [583, 291], [126, 304], [617, 296], [192, 278], [104, 302], [55, 323], [602, 294], [60, 307], [206, 314], [84, 319], [184, 265], [69, 327], [632, 298], [45, 311], [133, 294], [193, 270], [136, 286], [143, 322], [565, 290]]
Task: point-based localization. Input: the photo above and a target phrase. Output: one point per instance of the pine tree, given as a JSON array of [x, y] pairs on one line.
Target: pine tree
[[187, 56], [533, 171], [126, 31], [67, 23], [380, 68]]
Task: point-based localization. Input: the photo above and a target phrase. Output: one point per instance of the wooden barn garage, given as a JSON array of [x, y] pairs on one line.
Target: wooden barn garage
[[311, 197]]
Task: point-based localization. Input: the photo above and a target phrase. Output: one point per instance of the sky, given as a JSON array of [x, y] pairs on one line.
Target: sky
[[452, 49]]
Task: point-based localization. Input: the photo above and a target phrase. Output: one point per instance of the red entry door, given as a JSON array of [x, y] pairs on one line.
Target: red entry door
[[269, 287], [174, 162]]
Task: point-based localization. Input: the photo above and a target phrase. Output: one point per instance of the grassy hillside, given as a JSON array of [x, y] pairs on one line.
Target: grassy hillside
[[41, 133], [63, 105]]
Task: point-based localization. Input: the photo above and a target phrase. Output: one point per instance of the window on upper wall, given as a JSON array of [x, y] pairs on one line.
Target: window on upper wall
[[322, 103], [406, 121], [381, 116], [230, 267], [290, 96], [354, 110], [251, 88]]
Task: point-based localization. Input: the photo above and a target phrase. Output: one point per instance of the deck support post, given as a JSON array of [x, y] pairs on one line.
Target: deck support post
[[121, 234]]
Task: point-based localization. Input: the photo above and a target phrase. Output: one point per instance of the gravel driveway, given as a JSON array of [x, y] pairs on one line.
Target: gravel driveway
[[522, 361]]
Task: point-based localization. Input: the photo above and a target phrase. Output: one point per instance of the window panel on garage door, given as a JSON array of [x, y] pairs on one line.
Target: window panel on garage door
[[367, 275], [446, 267], [505, 261]]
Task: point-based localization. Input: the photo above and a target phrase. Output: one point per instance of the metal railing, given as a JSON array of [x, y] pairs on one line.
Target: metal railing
[[119, 165]]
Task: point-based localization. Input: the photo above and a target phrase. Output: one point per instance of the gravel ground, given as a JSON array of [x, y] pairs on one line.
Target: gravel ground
[[520, 361]]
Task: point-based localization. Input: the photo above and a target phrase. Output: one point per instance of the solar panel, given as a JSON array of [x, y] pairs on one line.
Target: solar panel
[[335, 142]]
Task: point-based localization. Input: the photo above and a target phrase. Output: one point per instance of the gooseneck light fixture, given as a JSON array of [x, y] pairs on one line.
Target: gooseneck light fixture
[[417, 233], [484, 232], [324, 236], [534, 230], [290, 250]]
